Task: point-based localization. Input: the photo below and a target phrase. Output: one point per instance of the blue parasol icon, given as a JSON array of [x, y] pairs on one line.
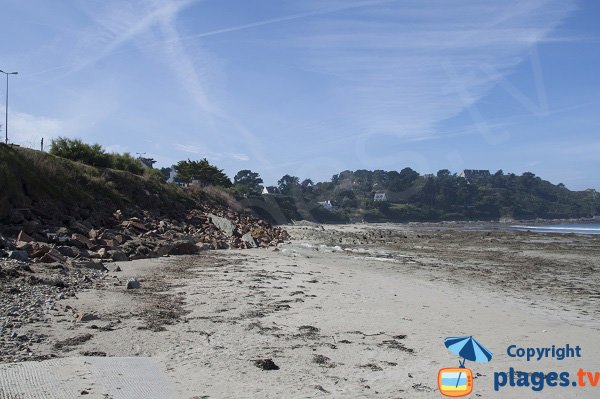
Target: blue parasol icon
[[469, 349]]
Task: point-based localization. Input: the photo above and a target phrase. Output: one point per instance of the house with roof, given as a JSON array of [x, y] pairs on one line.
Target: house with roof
[[147, 162], [380, 196], [327, 205]]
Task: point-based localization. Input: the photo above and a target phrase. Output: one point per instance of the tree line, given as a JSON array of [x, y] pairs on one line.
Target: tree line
[[409, 196]]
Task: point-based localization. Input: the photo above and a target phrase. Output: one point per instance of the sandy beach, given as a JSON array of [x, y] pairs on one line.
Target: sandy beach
[[356, 311]]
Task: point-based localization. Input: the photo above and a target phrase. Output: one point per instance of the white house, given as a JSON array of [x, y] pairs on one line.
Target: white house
[[379, 196], [172, 175], [474, 175], [327, 205]]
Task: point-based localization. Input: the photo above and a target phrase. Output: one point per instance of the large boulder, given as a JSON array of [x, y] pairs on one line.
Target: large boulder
[[117, 255], [38, 249], [22, 256], [223, 224], [249, 240], [184, 247], [67, 251], [52, 256], [81, 241]]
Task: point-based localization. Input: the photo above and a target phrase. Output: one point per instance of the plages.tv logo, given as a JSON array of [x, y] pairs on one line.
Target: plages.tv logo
[[458, 381]]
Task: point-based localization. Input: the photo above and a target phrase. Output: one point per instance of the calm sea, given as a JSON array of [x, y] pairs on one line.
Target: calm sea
[[583, 228]]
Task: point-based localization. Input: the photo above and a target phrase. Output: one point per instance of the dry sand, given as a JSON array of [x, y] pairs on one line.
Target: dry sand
[[345, 311]]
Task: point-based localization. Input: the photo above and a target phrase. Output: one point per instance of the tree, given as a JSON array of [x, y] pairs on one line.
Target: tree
[[247, 182], [307, 184], [443, 173], [201, 170], [166, 172], [288, 183]]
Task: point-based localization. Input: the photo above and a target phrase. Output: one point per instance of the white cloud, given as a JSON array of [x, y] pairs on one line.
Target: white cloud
[[28, 130], [239, 157], [406, 66], [118, 24]]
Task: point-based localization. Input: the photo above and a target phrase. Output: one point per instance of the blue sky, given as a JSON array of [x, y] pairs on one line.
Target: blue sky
[[311, 88]]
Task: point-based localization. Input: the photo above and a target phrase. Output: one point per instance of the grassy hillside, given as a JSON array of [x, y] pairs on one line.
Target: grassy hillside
[[54, 188]]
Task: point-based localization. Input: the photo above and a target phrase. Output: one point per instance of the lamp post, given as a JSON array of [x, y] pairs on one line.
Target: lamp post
[[6, 115]]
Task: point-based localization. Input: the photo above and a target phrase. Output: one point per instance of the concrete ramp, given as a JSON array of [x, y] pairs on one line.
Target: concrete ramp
[[85, 377]]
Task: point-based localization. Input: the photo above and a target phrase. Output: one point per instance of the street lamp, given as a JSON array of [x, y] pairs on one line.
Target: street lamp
[[6, 115]]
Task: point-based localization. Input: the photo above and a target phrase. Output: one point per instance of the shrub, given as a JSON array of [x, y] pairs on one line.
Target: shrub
[[127, 163], [154, 174], [77, 150], [94, 155]]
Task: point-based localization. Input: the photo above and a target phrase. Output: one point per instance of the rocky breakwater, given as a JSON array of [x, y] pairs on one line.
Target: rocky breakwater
[[135, 236], [42, 264]]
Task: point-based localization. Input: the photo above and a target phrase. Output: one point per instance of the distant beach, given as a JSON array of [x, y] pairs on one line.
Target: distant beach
[[566, 228]]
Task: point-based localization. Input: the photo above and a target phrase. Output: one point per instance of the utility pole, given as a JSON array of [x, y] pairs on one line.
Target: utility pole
[[6, 115]]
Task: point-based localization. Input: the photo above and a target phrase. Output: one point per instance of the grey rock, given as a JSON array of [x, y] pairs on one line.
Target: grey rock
[[63, 231], [103, 253], [164, 249], [249, 239], [81, 241], [133, 284], [67, 251], [184, 247], [117, 255], [113, 267], [22, 256], [84, 317], [94, 264], [223, 224], [204, 246], [53, 256]]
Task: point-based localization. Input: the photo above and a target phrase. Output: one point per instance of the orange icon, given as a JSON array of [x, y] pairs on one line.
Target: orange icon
[[455, 382]]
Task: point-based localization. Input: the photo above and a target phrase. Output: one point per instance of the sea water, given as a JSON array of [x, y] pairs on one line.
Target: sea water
[[581, 228]]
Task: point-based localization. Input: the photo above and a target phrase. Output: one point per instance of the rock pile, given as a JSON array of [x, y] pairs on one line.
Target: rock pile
[[135, 236]]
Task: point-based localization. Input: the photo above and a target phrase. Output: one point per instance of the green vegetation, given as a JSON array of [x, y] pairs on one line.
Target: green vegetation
[[94, 155], [445, 196], [56, 188], [247, 183], [203, 171], [80, 178]]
